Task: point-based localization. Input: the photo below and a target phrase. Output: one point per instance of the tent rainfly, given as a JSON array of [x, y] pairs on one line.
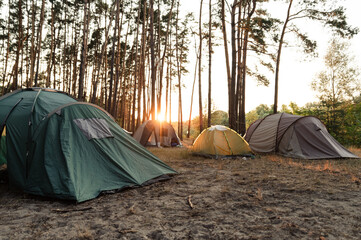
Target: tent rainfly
[[58, 147], [304, 137], [156, 133], [220, 141]]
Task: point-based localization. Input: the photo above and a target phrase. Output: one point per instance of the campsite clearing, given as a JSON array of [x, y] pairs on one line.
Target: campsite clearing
[[269, 197]]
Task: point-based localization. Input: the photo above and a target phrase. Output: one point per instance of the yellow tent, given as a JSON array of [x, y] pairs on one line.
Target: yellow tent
[[218, 141], [3, 134]]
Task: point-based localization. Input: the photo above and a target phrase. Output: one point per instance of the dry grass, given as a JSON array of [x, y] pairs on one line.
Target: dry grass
[[351, 167], [356, 151]]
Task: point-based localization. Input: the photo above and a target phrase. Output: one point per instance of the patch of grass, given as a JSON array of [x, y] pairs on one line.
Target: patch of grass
[[356, 151], [177, 153], [350, 167]]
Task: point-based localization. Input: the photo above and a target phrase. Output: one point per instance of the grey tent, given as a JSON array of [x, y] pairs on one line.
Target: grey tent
[[156, 133], [294, 136]]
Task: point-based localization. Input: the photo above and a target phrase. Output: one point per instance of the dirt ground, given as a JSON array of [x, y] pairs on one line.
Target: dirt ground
[[268, 197]]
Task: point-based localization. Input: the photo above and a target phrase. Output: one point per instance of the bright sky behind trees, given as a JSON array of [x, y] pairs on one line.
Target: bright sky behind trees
[[296, 73]]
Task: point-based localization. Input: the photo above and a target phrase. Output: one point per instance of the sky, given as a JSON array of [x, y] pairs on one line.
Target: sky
[[296, 73]]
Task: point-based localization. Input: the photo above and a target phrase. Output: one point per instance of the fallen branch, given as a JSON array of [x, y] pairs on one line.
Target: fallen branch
[[124, 231], [190, 202], [71, 210]]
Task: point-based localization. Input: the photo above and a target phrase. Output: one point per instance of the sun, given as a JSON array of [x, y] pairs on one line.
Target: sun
[[161, 117]]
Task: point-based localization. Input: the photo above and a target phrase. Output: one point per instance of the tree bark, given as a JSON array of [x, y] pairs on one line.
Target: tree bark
[[225, 43], [39, 40], [278, 60], [52, 31], [232, 111], [84, 50], [14, 84], [163, 58], [110, 98], [152, 59], [194, 82], [32, 48], [136, 80], [200, 70], [102, 53], [210, 66], [178, 56], [117, 62], [7, 55]]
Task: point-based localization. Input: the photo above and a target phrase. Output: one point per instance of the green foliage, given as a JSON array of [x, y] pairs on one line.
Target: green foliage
[[339, 81], [343, 122], [218, 118], [337, 86], [260, 112]]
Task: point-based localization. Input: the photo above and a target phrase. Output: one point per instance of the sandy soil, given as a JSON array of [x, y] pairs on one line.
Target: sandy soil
[[268, 197]]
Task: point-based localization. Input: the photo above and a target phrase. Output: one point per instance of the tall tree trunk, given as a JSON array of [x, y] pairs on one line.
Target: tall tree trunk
[[152, 59], [210, 65], [225, 43], [75, 61], [170, 89], [110, 98], [102, 53], [27, 45], [84, 50], [39, 41], [242, 129], [200, 70], [238, 96], [136, 76], [142, 61], [194, 82], [123, 75], [7, 54], [163, 57], [117, 63], [64, 58], [167, 78], [32, 48], [278, 60], [52, 31], [14, 85], [179, 63], [232, 110]]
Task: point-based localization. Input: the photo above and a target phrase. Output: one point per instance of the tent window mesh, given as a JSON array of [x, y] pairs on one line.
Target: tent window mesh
[[94, 128]]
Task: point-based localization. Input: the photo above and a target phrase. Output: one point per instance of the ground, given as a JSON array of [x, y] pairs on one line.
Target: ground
[[268, 197]]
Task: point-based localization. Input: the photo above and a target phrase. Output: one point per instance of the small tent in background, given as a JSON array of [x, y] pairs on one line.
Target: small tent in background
[[62, 148], [294, 136], [220, 141], [156, 133]]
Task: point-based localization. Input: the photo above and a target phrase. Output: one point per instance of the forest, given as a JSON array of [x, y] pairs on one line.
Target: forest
[[129, 56]]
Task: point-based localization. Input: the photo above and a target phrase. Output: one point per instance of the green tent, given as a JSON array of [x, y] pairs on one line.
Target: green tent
[[2, 147], [62, 148]]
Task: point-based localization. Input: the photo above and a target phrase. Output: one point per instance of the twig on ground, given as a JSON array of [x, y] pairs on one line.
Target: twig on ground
[[190, 202], [71, 210], [259, 195], [124, 231]]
